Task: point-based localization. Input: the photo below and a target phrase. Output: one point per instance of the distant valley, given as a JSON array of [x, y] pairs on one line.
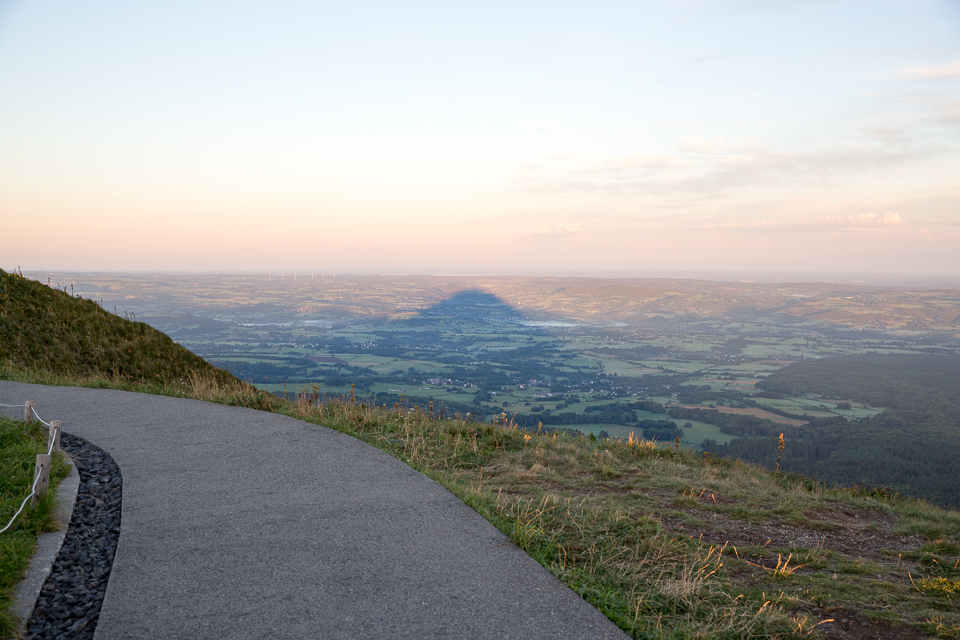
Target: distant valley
[[662, 358]]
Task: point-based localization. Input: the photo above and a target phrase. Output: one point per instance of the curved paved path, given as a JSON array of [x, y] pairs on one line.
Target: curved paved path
[[245, 524]]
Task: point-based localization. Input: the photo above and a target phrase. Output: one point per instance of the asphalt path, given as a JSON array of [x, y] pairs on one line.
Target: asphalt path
[[245, 524]]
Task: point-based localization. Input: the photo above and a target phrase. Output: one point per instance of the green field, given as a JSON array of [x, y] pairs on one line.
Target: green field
[[693, 436], [520, 342], [570, 353]]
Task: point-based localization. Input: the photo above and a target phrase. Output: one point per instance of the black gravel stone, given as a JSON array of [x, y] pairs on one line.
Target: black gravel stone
[[69, 603]]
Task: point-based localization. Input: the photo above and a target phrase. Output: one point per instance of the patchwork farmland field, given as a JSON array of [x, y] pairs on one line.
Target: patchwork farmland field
[[607, 357]]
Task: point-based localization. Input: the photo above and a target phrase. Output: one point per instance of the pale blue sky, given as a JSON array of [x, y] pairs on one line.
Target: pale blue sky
[[494, 136]]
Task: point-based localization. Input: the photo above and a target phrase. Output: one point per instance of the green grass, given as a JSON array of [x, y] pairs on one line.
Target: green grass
[[49, 330], [192, 385], [48, 336], [691, 437], [19, 447]]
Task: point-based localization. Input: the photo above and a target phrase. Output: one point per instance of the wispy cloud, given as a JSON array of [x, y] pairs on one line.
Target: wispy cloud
[[945, 112], [710, 168], [824, 222], [932, 72], [556, 232], [938, 109], [867, 219], [633, 164]]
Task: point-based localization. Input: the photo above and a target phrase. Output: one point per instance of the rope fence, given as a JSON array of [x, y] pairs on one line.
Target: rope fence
[[41, 473]]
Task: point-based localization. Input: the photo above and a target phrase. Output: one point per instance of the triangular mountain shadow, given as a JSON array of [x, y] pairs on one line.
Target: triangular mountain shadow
[[474, 305]]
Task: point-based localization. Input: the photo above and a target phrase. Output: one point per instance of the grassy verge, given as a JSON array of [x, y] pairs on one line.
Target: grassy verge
[[671, 544], [19, 447], [666, 542], [191, 385]]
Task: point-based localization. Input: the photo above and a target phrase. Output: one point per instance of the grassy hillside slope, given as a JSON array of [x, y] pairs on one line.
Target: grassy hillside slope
[[913, 446], [48, 336], [666, 542], [46, 329]]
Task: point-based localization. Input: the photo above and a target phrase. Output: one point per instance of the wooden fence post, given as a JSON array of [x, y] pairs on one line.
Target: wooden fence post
[[54, 442], [43, 470], [28, 413]]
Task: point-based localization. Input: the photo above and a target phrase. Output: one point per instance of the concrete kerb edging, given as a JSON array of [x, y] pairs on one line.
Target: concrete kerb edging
[[48, 546]]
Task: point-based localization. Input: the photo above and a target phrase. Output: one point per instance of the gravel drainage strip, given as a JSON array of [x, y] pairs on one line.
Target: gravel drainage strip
[[70, 600]]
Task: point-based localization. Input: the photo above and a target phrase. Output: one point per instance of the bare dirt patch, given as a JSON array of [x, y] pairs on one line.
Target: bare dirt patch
[[855, 535], [599, 490], [551, 486], [848, 625]]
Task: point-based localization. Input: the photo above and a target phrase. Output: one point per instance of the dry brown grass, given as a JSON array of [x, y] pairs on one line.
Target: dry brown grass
[[603, 516], [201, 386], [665, 542], [628, 526]]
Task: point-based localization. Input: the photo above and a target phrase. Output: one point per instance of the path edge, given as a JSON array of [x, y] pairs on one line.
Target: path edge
[[48, 547]]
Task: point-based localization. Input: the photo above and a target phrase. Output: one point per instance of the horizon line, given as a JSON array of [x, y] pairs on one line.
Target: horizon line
[[785, 276]]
